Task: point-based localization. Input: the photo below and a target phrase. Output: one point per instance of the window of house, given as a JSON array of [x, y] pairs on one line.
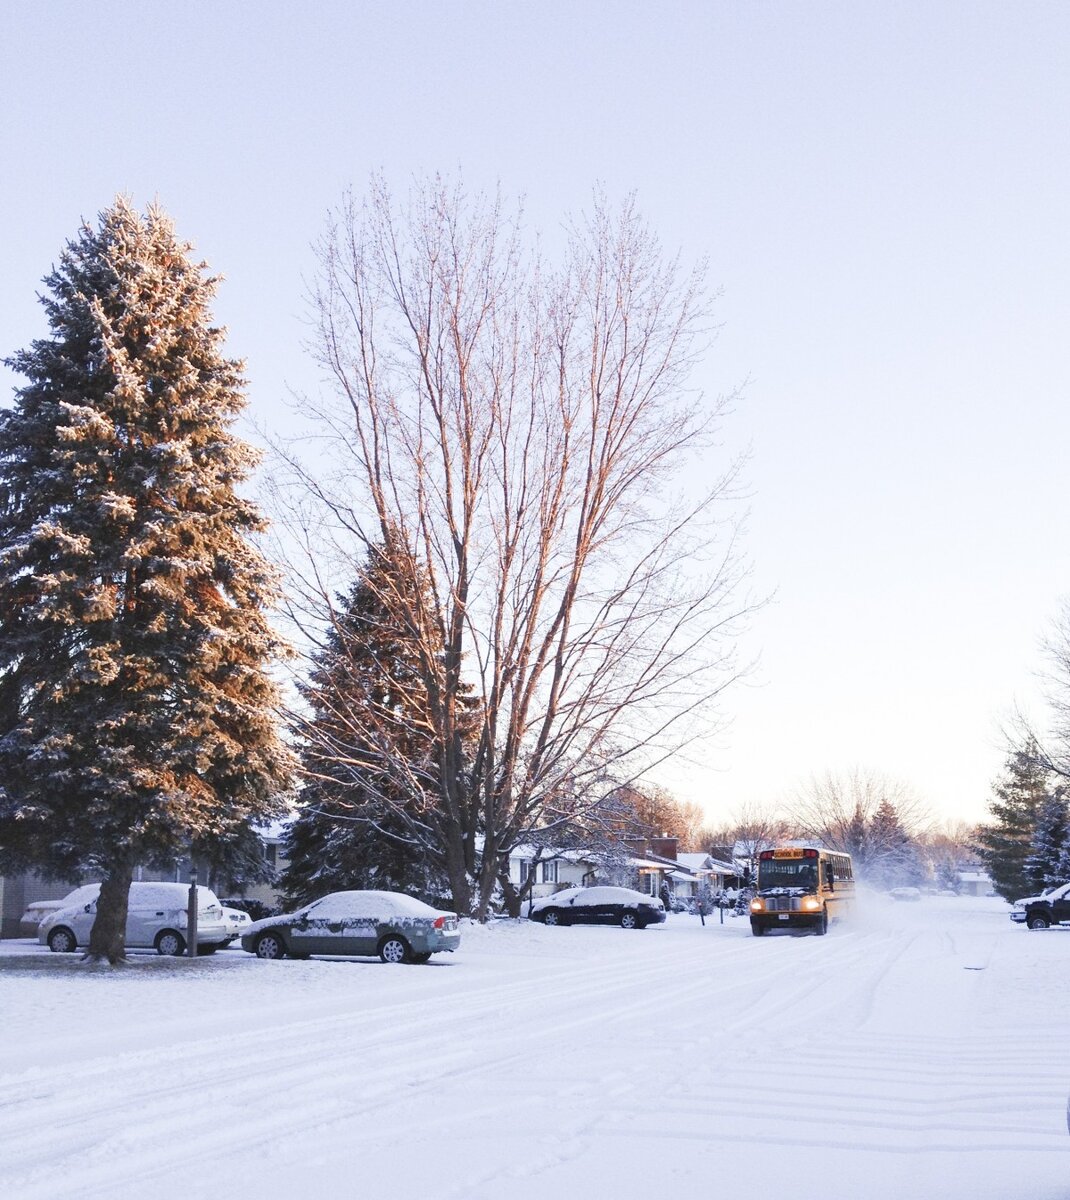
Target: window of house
[[525, 870], [549, 872]]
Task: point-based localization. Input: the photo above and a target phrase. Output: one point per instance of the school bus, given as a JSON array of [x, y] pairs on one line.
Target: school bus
[[801, 885]]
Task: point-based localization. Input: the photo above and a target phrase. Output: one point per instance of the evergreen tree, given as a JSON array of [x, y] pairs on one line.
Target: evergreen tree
[[1004, 844], [136, 708], [1062, 869], [1044, 864], [368, 751], [891, 854]]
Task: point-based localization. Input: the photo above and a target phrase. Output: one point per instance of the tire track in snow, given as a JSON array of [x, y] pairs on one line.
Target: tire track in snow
[[111, 1092]]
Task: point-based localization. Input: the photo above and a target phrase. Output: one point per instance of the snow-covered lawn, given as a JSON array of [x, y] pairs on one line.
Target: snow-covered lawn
[[920, 1052]]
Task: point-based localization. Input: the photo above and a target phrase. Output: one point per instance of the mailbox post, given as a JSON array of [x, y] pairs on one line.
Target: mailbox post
[[191, 916]]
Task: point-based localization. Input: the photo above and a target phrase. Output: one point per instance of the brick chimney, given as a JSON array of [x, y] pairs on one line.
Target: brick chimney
[[664, 846]]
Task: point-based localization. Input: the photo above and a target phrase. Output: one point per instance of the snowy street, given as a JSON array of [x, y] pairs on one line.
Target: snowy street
[[920, 1051]]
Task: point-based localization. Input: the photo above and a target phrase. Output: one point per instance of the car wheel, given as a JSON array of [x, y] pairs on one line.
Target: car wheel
[[270, 945], [422, 958], [551, 917], [629, 920], [1038, 922], [170, 943], [394, 950], [822, 926], [62, 941], [757, 928]]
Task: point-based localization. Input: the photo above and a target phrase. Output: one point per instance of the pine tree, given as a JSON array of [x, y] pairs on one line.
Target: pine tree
[[892, 858], [136, 707], [1044, 866], [370, 803], [1004, 844]]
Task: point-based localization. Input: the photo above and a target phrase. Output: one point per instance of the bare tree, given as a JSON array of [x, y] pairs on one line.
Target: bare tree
[[868, 815], [1048, 746], [751, 829], [518, 433]]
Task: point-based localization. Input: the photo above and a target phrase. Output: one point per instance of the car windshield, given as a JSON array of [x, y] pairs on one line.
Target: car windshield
[[787, 872]]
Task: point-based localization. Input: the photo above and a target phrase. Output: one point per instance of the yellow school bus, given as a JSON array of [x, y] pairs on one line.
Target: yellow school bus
[[801, 885]]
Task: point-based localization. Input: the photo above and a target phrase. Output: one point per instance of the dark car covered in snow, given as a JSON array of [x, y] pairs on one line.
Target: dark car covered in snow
[[396, 927], [599, 906]]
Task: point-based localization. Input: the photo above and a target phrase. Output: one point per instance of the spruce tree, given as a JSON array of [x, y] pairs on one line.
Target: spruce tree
[[1004, 844], [137, 713], [369, 805], [1044, 864]]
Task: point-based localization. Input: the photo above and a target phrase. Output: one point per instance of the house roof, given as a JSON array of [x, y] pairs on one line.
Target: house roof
[[693, 862], [548, 854], [706, 862], [658, 864]]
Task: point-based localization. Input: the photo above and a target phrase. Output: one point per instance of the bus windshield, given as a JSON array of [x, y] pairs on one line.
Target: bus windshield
[[787, 872]]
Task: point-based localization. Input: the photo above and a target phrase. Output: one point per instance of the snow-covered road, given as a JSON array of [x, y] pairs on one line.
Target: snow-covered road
[[921, 1050]]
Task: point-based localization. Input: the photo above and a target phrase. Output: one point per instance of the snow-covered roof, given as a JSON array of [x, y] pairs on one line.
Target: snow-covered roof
[[723, 868], [704, 862], [693, 862], [661, 864], [548, 853]]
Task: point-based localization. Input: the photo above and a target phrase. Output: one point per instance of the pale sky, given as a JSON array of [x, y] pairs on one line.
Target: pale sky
[[883, 194]]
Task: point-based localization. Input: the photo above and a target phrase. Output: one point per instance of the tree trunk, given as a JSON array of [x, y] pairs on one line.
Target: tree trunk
[[510, 895], [459, 880], [107, 939]]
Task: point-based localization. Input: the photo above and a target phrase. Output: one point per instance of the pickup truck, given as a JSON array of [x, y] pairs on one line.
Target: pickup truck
[[1049, 908]]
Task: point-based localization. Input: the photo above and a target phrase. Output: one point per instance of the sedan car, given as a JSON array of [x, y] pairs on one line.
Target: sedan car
[[599, 906], [155, 919], [397, 927]]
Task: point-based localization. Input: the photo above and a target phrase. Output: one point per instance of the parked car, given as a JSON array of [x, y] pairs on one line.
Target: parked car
[[237, 921], [905, 893], [37, 910], [1049, 908], [155, 919], [599, 906], [256, 909], [397, 927]]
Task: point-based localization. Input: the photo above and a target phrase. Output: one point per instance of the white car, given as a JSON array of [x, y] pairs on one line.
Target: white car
[[237, 922], [155, 919], [37, 910]]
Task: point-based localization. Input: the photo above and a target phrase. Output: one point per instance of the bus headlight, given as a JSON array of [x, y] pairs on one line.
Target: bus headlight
[[811, 903], [757, 905]]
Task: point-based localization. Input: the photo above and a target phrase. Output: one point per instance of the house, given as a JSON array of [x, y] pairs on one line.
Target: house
[[272, 837], [553, 869], [975, 883], [709, 875]]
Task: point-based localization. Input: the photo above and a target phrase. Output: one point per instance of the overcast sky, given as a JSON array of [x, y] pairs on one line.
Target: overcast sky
[[883, 194]]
